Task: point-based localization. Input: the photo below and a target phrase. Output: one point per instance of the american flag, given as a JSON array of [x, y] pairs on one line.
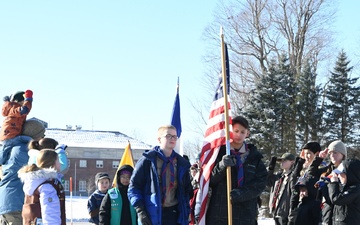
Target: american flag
[[215, 136]]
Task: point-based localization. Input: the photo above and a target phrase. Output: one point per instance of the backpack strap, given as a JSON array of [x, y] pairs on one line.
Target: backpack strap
[[36, 195], [55, 183]]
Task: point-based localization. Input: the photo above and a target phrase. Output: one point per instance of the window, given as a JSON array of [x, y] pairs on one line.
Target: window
[[99, 164], [115, 164], [83, 163], [66, 185], [82, 185]]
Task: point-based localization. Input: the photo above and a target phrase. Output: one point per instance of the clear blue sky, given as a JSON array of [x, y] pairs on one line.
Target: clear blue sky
[[113, 65]]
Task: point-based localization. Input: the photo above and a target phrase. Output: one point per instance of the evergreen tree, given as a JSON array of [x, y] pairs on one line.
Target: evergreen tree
[[309, 111], [342, 94], [269, 109]]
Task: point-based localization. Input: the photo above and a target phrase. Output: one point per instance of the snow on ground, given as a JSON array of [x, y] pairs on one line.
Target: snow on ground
[[76, 209]]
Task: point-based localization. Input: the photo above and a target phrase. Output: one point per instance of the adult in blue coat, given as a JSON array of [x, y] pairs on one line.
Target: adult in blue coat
[[11, 188], [160, 186]]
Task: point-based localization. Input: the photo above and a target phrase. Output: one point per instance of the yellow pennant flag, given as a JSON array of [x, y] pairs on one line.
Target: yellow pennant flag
[[126, 159]]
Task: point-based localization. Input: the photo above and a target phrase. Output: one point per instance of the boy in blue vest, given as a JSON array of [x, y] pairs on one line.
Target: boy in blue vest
[[102, 180], [115, 208]]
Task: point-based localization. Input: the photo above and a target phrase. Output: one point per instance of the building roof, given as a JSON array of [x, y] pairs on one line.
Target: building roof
[[93, 138]]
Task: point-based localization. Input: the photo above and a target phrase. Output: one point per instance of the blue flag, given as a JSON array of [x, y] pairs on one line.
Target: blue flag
[[175, 118]]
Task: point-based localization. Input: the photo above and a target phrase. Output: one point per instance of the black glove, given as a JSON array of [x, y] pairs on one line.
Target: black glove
[[235, 195], [272, 163], [6, 99], [228, 160], [143, 216]]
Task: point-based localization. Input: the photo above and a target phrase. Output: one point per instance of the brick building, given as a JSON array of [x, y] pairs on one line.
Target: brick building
[[91, 152]]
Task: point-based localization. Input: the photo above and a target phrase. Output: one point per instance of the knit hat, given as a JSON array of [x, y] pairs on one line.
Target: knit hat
[[287, 156], [34, 129], [17, 96], [125, 172], [312, 146], [125, 169], [101, 175], [338, 146]]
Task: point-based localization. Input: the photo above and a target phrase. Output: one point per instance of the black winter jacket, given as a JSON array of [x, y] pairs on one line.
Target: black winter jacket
[[323, 195], [245, 210], [346, 200], [307, 212]]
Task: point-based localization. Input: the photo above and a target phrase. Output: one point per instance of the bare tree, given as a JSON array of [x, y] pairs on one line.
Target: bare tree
[[304, 27], [91, 186], [260, 30], [192, 148]]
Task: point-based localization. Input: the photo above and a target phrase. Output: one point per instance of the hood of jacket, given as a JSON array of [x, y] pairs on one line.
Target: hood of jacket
[[307, 181], [33, 179], [122, 168]]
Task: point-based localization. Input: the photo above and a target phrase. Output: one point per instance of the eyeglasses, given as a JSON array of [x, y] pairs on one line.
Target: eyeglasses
[[169, 137], [125, 177]]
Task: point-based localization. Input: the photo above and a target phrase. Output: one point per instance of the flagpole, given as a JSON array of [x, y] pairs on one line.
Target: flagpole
[[71, 208], [226, 114]]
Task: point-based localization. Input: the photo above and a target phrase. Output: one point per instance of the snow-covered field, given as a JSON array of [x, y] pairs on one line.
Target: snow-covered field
[[76, 211]]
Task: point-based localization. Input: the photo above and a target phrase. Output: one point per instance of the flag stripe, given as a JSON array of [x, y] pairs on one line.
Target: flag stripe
[[214, 138], [218, 108]]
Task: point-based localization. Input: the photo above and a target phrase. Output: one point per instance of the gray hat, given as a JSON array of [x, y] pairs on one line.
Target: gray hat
[[34, 129], [338, 146], [101, 175], [287, 156]]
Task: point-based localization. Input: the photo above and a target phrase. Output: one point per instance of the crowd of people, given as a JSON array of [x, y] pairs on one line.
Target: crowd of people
[[316, 187], [311, 190]]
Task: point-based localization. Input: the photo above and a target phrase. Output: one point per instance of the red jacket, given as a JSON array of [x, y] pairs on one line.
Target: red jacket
[[15, 116]]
